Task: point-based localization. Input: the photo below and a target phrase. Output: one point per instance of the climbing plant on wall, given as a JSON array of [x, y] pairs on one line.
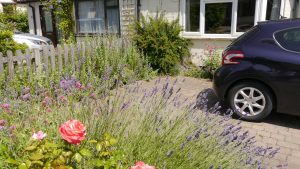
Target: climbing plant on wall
[[63, 12]]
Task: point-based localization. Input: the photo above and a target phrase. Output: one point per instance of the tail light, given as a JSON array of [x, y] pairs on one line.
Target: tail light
[[232, 57]]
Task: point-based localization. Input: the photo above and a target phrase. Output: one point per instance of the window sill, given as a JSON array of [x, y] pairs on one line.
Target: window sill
[[194, 35]]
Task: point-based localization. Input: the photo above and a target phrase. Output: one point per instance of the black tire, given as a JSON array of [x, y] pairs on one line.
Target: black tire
[[260, 87]]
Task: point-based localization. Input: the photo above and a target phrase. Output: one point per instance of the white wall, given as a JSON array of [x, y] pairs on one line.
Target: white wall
[[21, 7], [37, 18]]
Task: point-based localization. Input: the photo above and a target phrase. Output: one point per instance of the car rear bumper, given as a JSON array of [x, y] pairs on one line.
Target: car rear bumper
[[218, 85]]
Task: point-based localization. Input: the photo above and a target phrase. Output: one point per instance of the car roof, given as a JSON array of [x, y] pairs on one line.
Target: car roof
[[294, 21]]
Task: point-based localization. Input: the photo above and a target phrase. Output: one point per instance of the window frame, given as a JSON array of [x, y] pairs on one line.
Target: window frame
[[259, 15], [76, 6]]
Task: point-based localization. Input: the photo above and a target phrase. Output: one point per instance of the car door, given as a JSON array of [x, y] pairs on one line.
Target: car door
[[287, 77]]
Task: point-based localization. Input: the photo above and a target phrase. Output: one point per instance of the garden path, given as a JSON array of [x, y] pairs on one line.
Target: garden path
[[278, 130]]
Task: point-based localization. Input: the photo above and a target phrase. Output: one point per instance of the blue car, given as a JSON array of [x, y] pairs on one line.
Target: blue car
[[260, 71]]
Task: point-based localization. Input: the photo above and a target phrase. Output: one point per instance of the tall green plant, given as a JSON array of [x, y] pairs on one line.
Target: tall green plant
[[63, 11], [161, 42], [12, 19], [7, 42]]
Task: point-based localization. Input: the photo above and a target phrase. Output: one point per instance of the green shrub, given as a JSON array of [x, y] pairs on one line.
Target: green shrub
[[7, 42], [193, 72], [161, 42], [13, 19]]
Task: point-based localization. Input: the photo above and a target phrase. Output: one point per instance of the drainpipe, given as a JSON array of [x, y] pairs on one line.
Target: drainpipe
[[138, 10], [34, 19]]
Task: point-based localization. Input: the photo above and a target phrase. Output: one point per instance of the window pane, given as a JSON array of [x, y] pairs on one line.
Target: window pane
[[296, 9], [218, 18], [113, 20], [289, 39], [48, 21], [192, 15], [112, 3], [273, 9], [91, 16], [245, 15]]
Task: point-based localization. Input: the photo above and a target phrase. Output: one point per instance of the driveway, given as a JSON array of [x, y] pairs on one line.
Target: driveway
[[278, 130]]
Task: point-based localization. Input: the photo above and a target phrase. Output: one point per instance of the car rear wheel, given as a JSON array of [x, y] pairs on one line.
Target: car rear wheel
[[250, 101]]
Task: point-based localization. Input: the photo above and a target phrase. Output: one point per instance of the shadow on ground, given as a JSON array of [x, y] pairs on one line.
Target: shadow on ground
[[208, 98]]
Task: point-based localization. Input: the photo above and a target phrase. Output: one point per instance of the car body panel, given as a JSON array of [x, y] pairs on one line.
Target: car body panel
[[29, 40]]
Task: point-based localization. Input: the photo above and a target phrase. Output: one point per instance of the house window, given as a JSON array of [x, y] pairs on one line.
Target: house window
[[192, 16], [219, 18], [97, 16], [245, 15], [296, 9], [273, 9]]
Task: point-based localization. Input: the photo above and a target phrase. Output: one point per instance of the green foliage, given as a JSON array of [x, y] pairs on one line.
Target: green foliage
[[7, 42], [12, 19], [63, 10], [211, 63], [47, 154], [193, 72], [161, 42], [110, 60]]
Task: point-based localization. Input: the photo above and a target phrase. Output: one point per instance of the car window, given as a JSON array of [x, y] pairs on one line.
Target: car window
[[289, 39]]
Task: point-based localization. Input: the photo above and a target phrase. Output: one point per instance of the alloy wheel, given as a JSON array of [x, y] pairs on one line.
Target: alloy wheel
[[249, 101]]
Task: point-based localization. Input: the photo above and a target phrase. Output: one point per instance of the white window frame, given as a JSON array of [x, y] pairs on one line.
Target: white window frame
[[259, 15]]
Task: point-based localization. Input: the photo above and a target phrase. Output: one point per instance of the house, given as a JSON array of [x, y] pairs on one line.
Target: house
[[215, 22]]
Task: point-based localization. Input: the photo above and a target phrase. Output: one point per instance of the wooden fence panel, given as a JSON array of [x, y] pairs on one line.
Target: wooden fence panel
[[49, 59], [28, 59], [66, 54], [38, 64], [52, 57], [1, 63], [59, 55], [46, 59], [10, 64], [72, 56]]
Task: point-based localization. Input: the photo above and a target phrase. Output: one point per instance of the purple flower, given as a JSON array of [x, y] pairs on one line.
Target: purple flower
[[26, 97], [5, 106], [26, 90]]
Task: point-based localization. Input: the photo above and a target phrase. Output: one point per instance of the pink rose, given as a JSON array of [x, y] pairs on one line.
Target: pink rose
[[39, 135], [141, 165], [73, 131]]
